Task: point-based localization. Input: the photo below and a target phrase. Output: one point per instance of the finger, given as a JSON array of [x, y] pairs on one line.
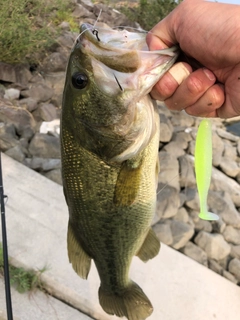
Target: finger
[[154, 42], [209, 103], [170, 81], [191, 89], [161, 35]]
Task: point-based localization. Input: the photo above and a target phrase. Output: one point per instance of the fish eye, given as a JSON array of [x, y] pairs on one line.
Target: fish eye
[[79, 80]]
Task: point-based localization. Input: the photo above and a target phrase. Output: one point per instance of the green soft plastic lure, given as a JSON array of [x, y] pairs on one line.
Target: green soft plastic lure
[[203, 167]]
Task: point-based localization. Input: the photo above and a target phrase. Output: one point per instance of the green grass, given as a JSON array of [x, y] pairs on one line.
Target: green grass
[[149, 12], [21, 279], [28, 27]]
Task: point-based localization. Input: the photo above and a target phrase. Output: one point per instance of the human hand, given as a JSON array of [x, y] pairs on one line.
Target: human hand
[[209, 33]]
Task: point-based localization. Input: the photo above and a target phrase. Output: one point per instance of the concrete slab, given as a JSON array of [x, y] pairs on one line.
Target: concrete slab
[[178, 287], [37, 306]]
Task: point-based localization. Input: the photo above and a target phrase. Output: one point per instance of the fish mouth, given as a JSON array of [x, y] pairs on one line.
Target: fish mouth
[[109, 38], [125, 52]]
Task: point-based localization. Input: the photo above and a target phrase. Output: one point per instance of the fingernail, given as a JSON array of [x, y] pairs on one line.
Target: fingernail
[[209, 74]]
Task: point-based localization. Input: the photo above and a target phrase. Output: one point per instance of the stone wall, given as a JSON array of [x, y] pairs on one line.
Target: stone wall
[[30, 103]]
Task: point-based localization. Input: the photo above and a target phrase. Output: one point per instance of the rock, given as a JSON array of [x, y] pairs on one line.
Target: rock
[[203, 225], [54, 175], [181, 232], [221, 204], [238, 147], [186, 172], [21, 119], [182, 138], [43, 164], [30, 104], [55, 62], [234, 268], [227, 135], [39, 91], [235, 251], [52, 127], [166, 129], [65, 26], [191, 149], [221, 182], [66, 41], [174, 148], [8, 138], [182, 215], [229, 276], [229, 167], [213, 244], [196, 253], [182, 119], [192, 200], [218, 148], [163, 110], [16, 153], [193, 215], [230, 152], [86, 4], [45, 112], [232, 235], [56, 81], [45, 146], [169, 170], [14, 73], [81, 12], [12, 94], [182, 197], [218, 226], [168, 202], [216, 267], [163, 232]]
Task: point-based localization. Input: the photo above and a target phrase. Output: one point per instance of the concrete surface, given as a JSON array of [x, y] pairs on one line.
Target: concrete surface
[[178, 287], [37, 306]]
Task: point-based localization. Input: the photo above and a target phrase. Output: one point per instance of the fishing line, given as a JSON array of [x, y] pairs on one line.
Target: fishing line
[[98, 17], [173, 178], [5, 249], [130, 28]]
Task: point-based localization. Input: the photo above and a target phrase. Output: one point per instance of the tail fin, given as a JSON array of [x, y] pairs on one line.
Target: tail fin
[[132, 303]]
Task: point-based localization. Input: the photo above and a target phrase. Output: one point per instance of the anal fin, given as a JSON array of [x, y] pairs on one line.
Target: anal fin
[[150, 247], [80, 260]]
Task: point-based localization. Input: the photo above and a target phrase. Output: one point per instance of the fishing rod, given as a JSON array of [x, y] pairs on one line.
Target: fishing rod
[[5, 249]]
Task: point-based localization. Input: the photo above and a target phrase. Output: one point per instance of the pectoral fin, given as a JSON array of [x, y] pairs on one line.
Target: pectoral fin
[[150, 247], [80, 260], [127, 185]]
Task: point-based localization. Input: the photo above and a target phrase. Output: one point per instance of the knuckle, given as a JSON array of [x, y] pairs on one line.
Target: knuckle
[[194, 85], [216, 96], [167, 86]]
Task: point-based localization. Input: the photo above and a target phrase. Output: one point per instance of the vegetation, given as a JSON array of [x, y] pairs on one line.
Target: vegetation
[[26, 27], [149, 12], [21, 279]]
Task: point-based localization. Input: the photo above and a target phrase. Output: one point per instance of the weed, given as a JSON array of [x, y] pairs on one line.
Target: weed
[[23, 280], [148, 13], [27, 27]]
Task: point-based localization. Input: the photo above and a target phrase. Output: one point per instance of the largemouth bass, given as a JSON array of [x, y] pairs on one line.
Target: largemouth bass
[[109, 144]]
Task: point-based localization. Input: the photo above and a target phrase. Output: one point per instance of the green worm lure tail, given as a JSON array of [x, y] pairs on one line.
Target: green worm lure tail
[[203, 167]]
